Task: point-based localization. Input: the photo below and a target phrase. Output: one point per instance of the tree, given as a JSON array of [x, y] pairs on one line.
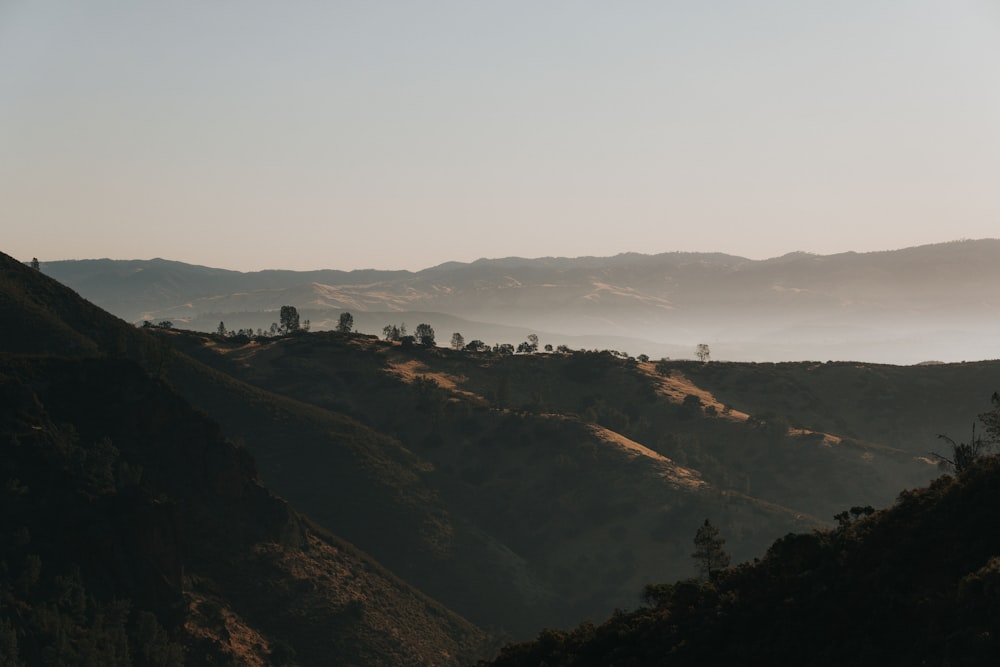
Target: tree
[[477, 346], [965, 455], [346, 323], [708, 551], [425, 334], [702, 352], [457, 341], [533, 342], [35, 265], [289, 319], [222, 329]]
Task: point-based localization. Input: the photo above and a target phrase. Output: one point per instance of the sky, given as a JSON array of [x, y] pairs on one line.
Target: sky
[[402, 134]]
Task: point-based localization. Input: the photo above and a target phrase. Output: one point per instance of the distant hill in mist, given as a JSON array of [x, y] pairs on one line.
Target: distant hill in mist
[[902, 306]]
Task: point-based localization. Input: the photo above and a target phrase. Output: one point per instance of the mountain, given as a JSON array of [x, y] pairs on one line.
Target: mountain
[[135, 532], [902, 306], [520, 491]]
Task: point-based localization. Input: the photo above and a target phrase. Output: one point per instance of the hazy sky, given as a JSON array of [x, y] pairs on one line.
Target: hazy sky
[[403, 134]]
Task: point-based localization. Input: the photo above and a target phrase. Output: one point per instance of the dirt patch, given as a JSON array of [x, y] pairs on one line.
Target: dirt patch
[[412, 369], [668, 469], [677, 386]]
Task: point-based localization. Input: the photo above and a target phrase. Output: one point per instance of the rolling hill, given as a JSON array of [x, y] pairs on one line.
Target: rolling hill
[[136, 533], [520, 491]]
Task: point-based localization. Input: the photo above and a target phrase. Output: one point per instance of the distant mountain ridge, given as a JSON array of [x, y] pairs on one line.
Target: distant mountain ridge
[[898, 306]]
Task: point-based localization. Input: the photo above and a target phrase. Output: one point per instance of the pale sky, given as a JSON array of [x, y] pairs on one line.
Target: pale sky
[[403, 134]]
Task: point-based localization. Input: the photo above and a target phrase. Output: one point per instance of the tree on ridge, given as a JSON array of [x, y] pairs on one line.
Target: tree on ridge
[[289, 319]]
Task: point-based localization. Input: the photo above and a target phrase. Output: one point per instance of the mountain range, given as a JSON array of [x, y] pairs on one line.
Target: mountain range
[[178, 495], [917, 304]]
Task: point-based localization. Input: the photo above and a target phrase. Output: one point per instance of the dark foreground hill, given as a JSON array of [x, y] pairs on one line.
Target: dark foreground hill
[[133, 532], [917, 584]]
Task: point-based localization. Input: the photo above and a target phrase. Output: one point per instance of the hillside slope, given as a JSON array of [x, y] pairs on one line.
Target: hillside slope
[[918, 583], [135, 533], [580, 476]]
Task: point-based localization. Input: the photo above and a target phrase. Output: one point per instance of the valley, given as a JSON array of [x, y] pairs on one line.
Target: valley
[[429, 504]]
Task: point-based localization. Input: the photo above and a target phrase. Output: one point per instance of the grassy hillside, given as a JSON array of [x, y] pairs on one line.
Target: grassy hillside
[[134, 532], [519, 490], [580, 477], [903, 407], [913, 584]]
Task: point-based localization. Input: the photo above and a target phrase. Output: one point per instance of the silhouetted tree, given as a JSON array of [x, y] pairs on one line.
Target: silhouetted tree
[[477, 346], [425, 334], [346, 323], [222, 329], [35, 265], [847, 517], [643, 358], [708, 551], [289, 319], [964, 455], [548, 347], [991, 420], [457, 341], [702, 352]]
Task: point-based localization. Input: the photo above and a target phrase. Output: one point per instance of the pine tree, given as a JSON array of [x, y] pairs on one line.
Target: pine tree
[[708, 551]]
